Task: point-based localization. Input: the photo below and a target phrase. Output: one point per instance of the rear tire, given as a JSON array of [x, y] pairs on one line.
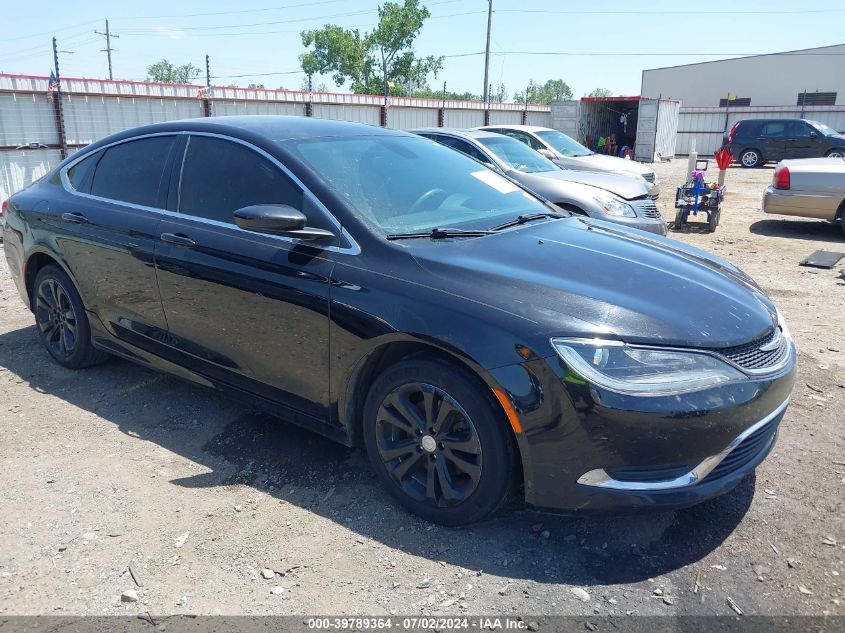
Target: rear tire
[[750, 158], [438, 442], [61, 320], [836, 153]]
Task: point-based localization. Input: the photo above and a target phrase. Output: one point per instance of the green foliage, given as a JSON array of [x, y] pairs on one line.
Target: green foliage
[[600, 92], [382, 61], [256, 86], [167, 73], [552, 90]]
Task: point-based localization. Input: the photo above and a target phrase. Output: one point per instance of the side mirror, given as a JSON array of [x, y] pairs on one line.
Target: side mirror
[[547, 153], [278, 219], [814, 135]]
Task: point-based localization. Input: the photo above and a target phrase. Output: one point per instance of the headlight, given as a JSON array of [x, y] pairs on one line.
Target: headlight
[[615, 206], [643, 371]]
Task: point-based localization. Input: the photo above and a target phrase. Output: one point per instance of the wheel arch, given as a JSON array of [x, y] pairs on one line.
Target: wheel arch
[[350, 404], [37, 260]]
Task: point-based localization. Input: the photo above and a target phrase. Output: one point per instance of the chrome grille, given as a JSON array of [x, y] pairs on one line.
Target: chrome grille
[[750, 356], [646, 208]]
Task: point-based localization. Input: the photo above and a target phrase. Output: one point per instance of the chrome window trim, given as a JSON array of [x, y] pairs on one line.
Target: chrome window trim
[[599, 478], [353, 249]]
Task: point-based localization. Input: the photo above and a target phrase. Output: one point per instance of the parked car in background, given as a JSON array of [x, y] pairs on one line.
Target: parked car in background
[[604, 196], [386, 291], [568, 153], [754, 142], [808, 188]]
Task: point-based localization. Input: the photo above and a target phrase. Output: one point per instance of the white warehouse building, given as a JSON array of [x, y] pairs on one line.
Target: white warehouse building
[[778, 79]]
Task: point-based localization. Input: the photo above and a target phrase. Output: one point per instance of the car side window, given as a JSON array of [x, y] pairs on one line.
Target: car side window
[[463, 147], [219, 177], [79, 175], [774, 128], [798, 129], [133, 171], [522, 137]]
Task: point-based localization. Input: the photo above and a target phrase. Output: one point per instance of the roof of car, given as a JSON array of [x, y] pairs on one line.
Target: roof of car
[[275, 128], [522, 128], [463, 133]]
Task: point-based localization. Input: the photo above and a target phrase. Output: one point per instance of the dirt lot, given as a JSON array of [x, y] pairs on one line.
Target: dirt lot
[[116, 466]]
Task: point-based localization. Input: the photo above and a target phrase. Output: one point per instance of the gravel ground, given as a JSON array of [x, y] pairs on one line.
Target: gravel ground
[[115, 479]]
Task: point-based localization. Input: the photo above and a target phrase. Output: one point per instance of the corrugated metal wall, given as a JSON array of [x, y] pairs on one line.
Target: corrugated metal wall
[[539, 118], [26, 119], [411, 118], [343, 112], [706, 126], [462, 118], [95, 108], [19, 169], [235, 108], [505, 117]]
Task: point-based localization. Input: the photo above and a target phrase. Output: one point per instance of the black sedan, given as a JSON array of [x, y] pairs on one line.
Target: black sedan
[[381, 289]]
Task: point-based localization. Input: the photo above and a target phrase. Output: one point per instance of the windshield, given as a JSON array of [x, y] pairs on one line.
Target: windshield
[[563, 144], [824, 129], [517, 155], [409, 184]]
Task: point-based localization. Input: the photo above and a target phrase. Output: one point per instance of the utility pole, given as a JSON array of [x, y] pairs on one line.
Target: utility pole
[[207, 72], [57, 104], [108, 49], [487, 50], [207, 100]]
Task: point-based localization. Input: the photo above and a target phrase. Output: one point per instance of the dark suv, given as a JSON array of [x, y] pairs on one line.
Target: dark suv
[[753, 142]]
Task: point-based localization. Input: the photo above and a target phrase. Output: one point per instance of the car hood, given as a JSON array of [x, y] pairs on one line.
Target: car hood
[[602, 162], [581, 277], [627, 187]]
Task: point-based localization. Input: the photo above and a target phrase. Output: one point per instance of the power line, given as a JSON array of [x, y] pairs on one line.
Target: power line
[[655, 12]]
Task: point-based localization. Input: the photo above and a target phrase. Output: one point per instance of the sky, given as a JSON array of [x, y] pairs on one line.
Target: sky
[[598, 44]]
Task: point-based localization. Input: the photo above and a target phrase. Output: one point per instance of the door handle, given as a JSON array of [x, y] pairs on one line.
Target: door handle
[[75, 218], [178, 239]]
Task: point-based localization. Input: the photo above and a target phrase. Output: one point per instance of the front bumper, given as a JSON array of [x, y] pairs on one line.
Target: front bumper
[[587, 450], [651, 225], [800, 203]]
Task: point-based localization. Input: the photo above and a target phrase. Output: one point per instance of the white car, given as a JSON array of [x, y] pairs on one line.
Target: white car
[[809, 188], [568, 153]]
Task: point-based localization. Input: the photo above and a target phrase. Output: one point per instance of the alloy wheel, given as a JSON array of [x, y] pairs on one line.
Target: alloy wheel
[[836, 154], [750, 159], [428, 444], [56, 317]]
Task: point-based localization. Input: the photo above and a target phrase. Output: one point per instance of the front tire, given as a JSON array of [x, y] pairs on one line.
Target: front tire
[[439, 442], [61, 320], [836, 153], [750, 158]]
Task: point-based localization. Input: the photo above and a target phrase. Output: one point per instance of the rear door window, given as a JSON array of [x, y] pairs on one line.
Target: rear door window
[[133, 171], [79, 175], [774, 129]]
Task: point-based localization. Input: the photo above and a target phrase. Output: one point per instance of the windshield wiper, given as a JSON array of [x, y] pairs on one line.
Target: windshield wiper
[[438, 234], [528, 217]]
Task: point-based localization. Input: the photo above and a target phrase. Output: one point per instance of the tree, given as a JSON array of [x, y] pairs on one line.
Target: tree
[[256, 86], [552, 90], [166, 73], [499, 94], [380, 61], [315, 87], [600, 92]]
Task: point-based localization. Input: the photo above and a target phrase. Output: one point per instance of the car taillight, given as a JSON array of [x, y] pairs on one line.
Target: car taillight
[[781, 178], [733, 131], [4, 208]]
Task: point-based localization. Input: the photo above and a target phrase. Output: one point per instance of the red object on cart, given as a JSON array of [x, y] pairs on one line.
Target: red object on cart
[[723, 158]]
